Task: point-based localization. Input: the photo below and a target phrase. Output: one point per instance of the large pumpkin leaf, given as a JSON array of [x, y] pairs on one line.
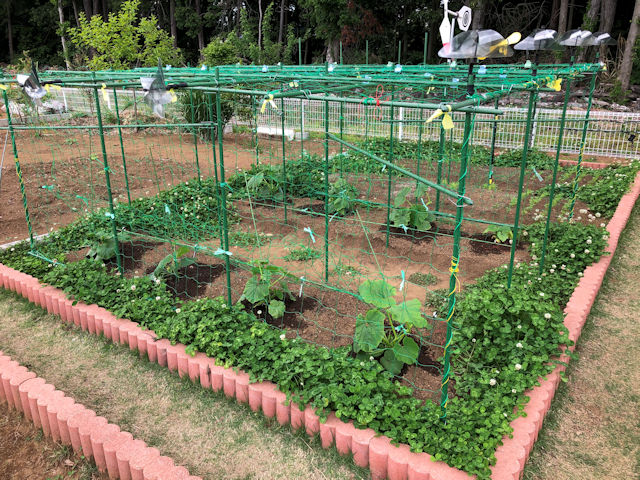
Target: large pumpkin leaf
[[276, 308], [255, 290], [407, 352], [378, 293], [369, 330], [408, 314], [391, 363]]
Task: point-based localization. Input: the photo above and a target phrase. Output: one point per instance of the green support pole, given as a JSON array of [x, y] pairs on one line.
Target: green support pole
[[255, 129], [301, 129], [223, 192], [108, 179], [341, 132], [399, 50], [583, 141], [366, 55], [552, 192], [326, 191], [284, 160], [25, 204], [300, 51], [340, 52], [124, 161], [420, 126], [389, 181], [494, 132], [523, 166], [443, 140], [455, 260], [195, 136], [213, 128]]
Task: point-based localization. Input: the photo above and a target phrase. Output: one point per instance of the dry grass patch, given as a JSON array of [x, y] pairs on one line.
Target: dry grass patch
[[212, 436], [592, 431]]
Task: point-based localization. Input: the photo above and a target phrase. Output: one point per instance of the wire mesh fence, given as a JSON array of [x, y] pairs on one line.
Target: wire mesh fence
[[610, 134]]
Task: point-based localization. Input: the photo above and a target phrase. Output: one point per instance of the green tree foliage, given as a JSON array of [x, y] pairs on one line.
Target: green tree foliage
[[124, 41]]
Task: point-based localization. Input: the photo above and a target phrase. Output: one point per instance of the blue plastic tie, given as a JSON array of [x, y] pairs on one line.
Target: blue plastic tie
[[402, 282], [222, 252], [308, 230]]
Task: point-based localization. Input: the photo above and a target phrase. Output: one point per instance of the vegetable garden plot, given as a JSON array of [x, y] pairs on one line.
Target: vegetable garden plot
[[390, 261]]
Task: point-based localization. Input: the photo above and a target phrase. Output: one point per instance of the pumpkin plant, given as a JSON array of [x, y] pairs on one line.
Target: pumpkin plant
[[383, 332], [416, 216], [172, 264], [268, 287]]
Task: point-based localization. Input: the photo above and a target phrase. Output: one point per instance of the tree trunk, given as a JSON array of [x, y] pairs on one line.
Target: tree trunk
[[259, 24], [96, 7], [478, 15], [9, 31], [88, 10], [200, 29], [627, 58], [332, 47], [105, 10], [75, 12], [593, 14], [172, 22], [606, 21], [281, 29], [65, 53], [553, 19], [562, 17]]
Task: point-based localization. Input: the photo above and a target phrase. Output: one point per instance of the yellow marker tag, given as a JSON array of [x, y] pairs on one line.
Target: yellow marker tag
[[447, 122], [104, 92], [555, 84], [434, 115], [604, 68], [46, 87], [174, 97], [268, 101], [4, 87]]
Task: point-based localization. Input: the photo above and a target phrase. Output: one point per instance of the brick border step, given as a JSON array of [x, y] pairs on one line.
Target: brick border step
[[62, 419]]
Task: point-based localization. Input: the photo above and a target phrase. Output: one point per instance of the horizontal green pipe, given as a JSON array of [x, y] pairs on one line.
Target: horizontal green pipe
[[402, 171]]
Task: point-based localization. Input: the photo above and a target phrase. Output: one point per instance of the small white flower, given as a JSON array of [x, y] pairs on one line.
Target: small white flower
[[563, 267], [157, 280], [513, 390], [547, 316], [542, 294], [13, 249], [518, 366], [177, 310], [582, 210], [505, 415], [551, 270], [473, 340], [283, 336], [492, 382], [157, 298], [573, 255], [586, 250], [598, 215], [580, 274], [602, 225], [259, 312], [133, 287], [118, 290], [224, 305], [518, 345], [362, 364], [519, 327], [371, 358]]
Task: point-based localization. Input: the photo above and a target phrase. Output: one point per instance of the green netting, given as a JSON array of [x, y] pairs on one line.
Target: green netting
[[316, 220]]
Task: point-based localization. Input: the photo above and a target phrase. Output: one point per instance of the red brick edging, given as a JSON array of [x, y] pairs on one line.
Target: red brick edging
[[369, 450], [61, 418]]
